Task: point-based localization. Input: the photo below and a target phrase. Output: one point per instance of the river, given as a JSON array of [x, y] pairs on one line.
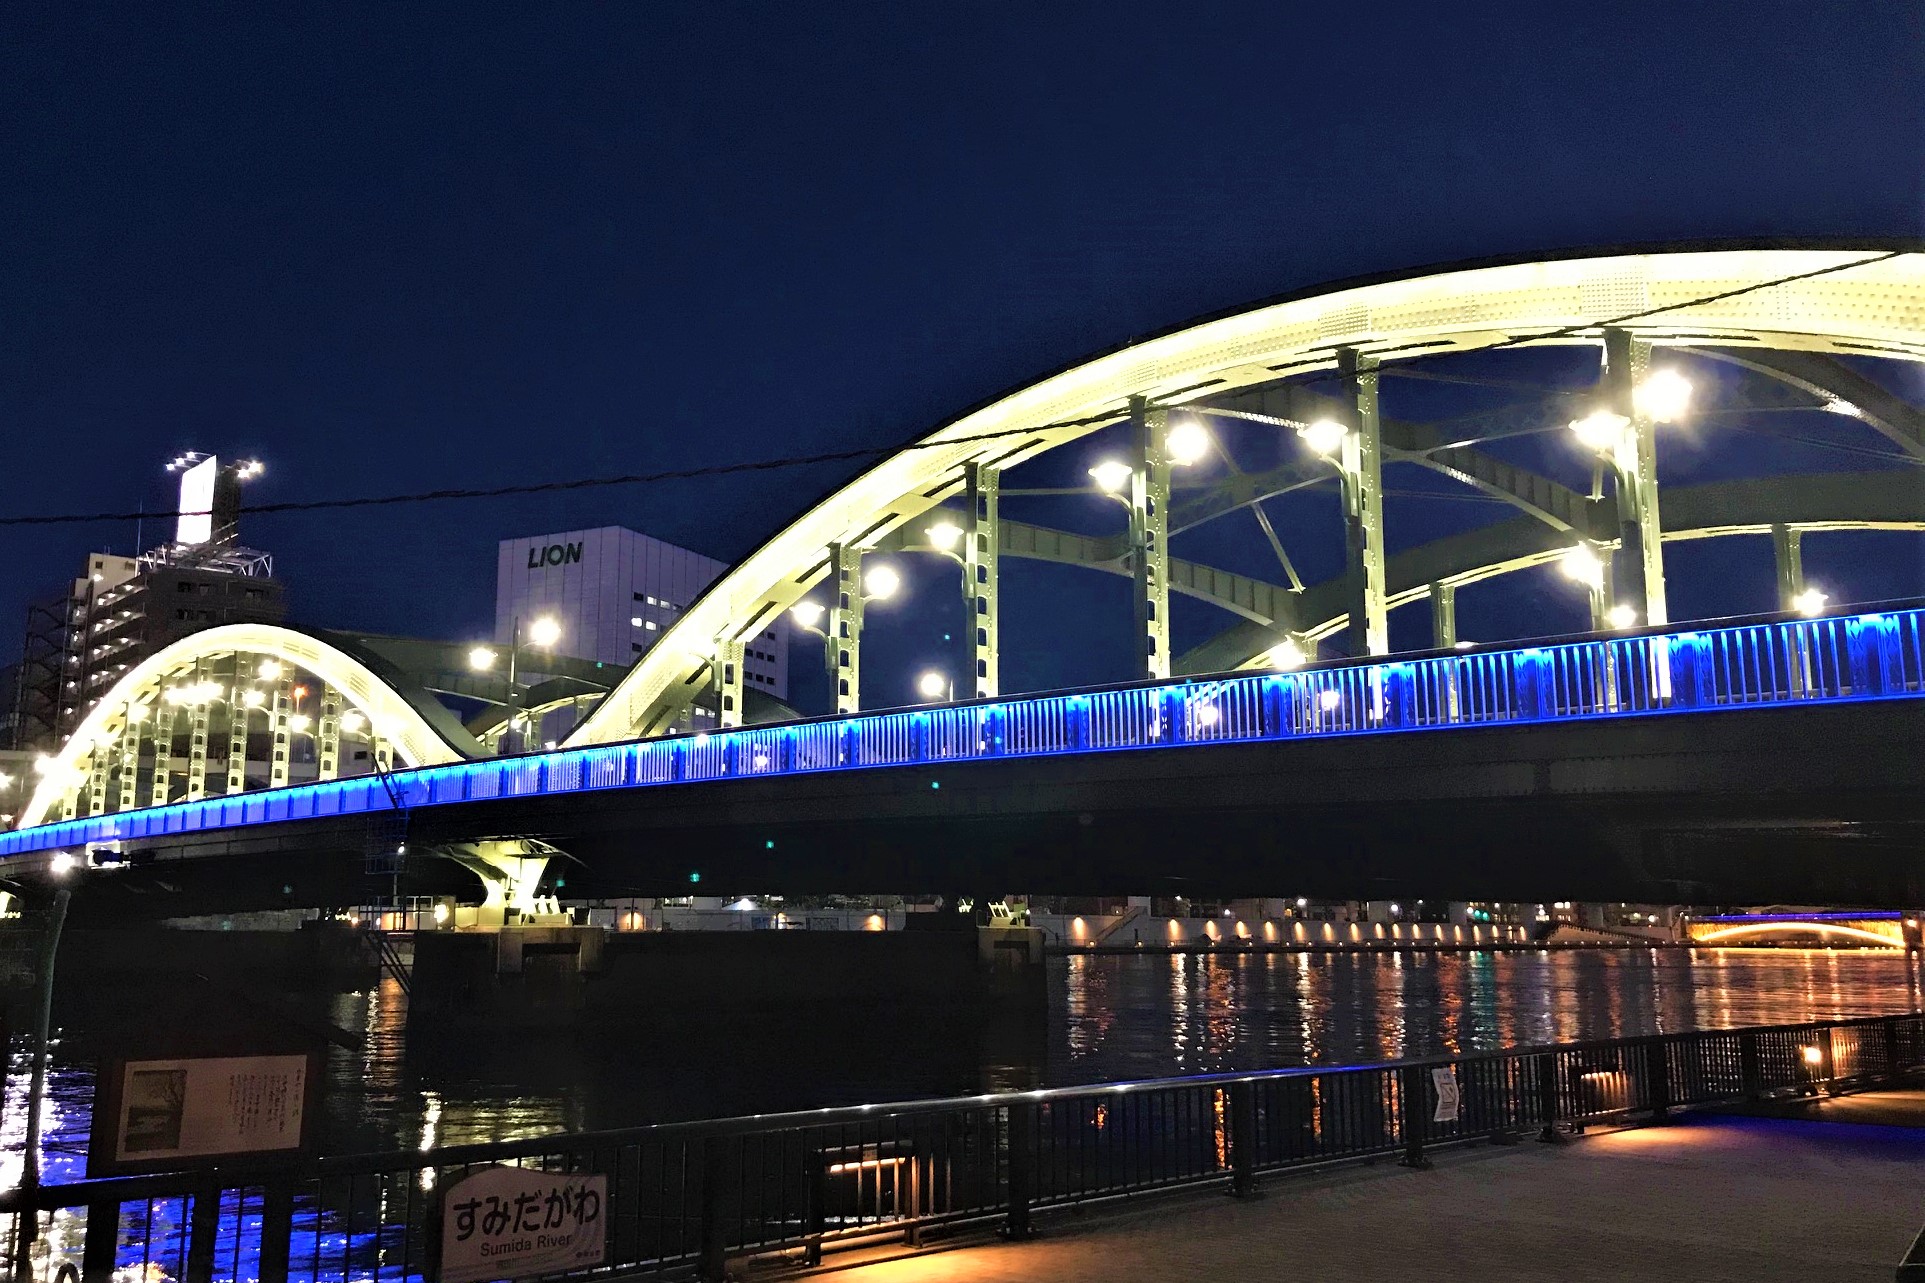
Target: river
[[1110, 1017]]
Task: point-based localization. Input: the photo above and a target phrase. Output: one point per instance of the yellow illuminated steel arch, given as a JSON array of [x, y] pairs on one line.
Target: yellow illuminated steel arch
[[1877, 308], [1749, 929], [390, 713]]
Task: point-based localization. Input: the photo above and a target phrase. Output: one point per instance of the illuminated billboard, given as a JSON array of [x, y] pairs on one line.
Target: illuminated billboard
[[197, 502]]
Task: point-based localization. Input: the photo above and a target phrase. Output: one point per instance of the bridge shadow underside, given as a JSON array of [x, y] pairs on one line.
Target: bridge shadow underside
[[1817, 804]]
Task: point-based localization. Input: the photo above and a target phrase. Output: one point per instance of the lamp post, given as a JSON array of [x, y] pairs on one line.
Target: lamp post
[[1142, 486], [543, 633], [842, 640]]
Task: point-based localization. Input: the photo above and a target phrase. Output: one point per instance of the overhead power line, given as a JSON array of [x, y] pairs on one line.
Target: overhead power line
[[860, 452]]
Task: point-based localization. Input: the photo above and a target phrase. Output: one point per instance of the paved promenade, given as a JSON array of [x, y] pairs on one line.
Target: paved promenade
[[1712, 1197]]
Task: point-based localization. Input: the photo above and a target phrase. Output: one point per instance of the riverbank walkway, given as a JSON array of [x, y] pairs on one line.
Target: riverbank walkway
[[1830, 1191]]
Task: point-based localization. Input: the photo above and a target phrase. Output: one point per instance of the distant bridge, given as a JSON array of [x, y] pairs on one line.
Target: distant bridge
[[1861, 928]]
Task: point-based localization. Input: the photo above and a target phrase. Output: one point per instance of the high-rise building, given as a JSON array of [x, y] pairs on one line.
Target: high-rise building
[[120, 609], [614, 592]]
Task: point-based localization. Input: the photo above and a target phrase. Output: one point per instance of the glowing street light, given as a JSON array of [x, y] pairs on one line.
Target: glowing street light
[[1583, 566], [1112, 475], [933, 685], [1663, 397], [253, 698], [808, 614], [880, 583], [481, 659], [299, 723], [353, 721], [1621, 616], [1287, 656], [1810, 603], [1324, 437], [1186, 443], [270, 670], [1330, 700], [544, 632], [1600, 430], [945, 535]]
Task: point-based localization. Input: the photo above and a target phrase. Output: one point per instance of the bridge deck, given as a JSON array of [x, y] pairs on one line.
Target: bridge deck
[[1713, 1197]]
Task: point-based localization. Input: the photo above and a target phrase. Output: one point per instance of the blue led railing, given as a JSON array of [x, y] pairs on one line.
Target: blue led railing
[[1833, 660]]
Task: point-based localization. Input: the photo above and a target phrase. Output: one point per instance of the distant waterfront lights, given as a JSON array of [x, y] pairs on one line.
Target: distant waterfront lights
[[1810, 603], [62, 863]]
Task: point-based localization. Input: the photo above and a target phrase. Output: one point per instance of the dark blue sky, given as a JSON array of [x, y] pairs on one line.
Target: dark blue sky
[[390, 247]]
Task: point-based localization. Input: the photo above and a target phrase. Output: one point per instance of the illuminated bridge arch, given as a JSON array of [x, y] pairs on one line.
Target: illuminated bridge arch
[[1855, 300], [219, 686]]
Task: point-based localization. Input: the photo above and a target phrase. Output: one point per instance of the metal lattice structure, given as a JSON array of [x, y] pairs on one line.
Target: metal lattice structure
[[1311, 366]]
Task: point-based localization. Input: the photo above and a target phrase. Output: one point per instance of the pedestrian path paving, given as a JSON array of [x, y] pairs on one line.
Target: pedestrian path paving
[[1711, 1197]]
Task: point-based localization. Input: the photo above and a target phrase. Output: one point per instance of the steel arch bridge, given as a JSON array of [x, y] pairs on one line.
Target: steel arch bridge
[[1309, 364]]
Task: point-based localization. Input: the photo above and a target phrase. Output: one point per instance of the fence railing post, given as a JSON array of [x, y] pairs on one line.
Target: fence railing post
[[1751, 1076], [1892, 1066], [1546, 1066], [1022, 1168], [101, 1243], [204, 1223], [713, 1267], [1243, 1138], [1657, 1077], [1410, 1086], [277, 1231]]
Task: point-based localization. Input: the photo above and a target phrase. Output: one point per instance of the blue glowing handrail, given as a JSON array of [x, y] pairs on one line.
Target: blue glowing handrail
[[1844, 659]]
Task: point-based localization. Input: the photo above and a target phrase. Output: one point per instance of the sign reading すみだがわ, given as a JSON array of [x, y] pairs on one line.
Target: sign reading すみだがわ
[[510, 1223]]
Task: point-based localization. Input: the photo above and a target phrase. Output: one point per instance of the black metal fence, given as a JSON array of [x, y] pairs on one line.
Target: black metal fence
[[687, 1198]]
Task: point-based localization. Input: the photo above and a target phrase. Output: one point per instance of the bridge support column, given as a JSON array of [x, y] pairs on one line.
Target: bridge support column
[[728, 681], [1363, 485], [982, 546], [327, 736], [1634, 465], [199, 725], [157, 792], [238, 715], [510, 873], [98, 764], [130, 754], [845, 627], [1149, 536], [1443, 616], [1788, 553], [280, 735]]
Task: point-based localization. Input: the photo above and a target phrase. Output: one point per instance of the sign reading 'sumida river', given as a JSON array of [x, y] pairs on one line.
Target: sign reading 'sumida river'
[[511, 1223]]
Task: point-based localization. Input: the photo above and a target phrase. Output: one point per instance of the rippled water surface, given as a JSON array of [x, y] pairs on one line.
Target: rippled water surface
[[1108, 1017]]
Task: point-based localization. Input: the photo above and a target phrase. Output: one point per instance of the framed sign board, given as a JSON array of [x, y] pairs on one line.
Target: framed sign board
[[153, 1114], [515, 1222]]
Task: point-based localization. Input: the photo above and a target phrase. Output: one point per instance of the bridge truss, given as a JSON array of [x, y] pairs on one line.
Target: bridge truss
[[185, 726]]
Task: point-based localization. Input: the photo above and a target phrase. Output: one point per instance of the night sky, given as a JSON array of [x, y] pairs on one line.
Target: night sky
[[388, 248]]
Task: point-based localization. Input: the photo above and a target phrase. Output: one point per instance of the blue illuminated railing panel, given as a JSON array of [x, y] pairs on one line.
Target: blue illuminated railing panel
[[1861, 657]]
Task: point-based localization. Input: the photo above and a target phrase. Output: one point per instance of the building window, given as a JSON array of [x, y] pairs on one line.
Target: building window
[[650, 625]]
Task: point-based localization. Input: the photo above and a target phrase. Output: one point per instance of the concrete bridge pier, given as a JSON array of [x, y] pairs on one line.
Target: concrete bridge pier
[[510, 872]]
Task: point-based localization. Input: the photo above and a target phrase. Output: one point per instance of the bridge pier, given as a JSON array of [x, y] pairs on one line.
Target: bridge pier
[[510, 873]]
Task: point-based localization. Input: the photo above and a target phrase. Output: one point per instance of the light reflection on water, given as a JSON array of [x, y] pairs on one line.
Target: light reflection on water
[[1203, 1013], [1110, 1017]]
